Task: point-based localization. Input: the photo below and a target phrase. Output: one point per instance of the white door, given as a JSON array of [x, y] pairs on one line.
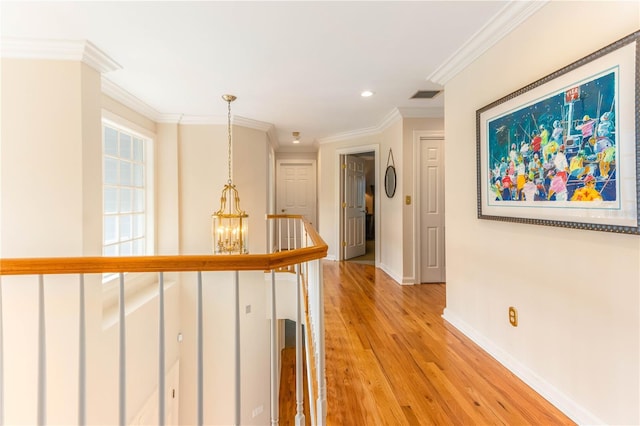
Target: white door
[[354, 207], [296, 193], [432, 266]]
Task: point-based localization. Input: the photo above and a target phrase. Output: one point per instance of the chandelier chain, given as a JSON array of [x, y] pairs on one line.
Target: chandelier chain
[[229, 133]]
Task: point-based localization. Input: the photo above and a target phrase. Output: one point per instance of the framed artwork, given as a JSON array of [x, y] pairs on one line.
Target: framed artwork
[[564, 150]]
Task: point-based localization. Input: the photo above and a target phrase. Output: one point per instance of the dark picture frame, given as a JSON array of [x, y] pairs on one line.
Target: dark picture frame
[[565, 150]]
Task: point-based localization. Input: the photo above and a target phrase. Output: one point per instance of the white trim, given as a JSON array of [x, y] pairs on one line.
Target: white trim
[[505, 21], [565, 404], [114, 91], [272, 137], [64, 50], [126, 125], [251, 123], [388, 271], [370, 131], [389, 119], [418, 135], [375, 148], [203, 120]]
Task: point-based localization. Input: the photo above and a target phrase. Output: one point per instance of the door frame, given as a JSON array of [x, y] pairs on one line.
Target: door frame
[[339, 185], [419, 135]]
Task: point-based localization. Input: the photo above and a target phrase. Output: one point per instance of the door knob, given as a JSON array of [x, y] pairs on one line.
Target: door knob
[[283, 210]]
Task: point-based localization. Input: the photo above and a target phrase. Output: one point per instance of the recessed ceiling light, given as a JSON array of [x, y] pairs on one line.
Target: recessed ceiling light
[[366, 93]]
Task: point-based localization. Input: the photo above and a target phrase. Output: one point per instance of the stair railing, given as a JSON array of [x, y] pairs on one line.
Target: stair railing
[[303, 251]]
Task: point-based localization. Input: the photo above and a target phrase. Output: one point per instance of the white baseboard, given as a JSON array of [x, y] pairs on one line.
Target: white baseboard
[[565, 404], [397, 278], [330, 257]]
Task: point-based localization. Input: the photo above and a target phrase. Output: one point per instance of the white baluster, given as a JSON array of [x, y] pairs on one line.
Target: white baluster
[[288, 234], [82, 356], [322, 384], [274, 354], [237, 349], [200, 371], [300, 420], [42, 356], [122, 394], [161, 354], [279, 234], [1, 362]]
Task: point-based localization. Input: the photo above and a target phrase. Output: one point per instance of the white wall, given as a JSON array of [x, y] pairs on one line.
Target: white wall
[[577, 292]]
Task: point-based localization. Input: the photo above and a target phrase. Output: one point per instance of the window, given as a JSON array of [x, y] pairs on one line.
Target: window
[[127, 192]]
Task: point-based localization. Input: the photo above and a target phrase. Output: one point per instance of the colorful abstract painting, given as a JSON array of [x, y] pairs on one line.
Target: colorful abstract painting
[[560, 148]]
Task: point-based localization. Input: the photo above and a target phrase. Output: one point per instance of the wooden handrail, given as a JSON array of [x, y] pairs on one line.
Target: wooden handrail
[[181, 263]]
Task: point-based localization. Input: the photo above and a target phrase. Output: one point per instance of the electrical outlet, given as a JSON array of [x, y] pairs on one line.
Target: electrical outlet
[[513, 316]]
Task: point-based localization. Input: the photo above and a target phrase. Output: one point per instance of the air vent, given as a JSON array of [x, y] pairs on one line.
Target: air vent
[[425, 94]]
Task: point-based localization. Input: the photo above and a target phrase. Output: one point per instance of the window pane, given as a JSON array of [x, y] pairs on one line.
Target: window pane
[[138, 149], [125, 145], [110, 171], [110, 141], [138, 226], [125, 200], [110, 229], [138, 200], [110, 250], [138, 175], [125, 227], [125, 173], [126, 249], [138, 247], [110, 200]]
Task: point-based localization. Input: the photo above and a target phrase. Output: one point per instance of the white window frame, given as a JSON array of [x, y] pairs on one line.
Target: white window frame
[[121, 124]]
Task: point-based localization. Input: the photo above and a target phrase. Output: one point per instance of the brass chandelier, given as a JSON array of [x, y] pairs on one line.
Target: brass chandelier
[[229, 224]]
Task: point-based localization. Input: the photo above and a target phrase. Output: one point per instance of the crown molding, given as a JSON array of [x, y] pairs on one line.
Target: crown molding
[[393, 116], [169, 118], [505, 21], [236, 120], [272, 136], [388, 119], [111, 89], [203, 119], [65, 50], [251, 124], [369, 131]]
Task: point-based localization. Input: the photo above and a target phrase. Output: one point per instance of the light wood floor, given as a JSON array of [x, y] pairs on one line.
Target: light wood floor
[[392, 360]]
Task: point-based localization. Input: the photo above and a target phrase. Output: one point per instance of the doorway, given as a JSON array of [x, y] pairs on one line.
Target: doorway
[[358, 204]]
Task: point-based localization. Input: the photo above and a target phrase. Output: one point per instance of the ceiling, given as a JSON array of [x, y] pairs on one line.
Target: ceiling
[[294, 66]]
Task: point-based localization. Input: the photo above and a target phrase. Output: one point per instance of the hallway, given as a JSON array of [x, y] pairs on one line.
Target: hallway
[[392, 359]]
